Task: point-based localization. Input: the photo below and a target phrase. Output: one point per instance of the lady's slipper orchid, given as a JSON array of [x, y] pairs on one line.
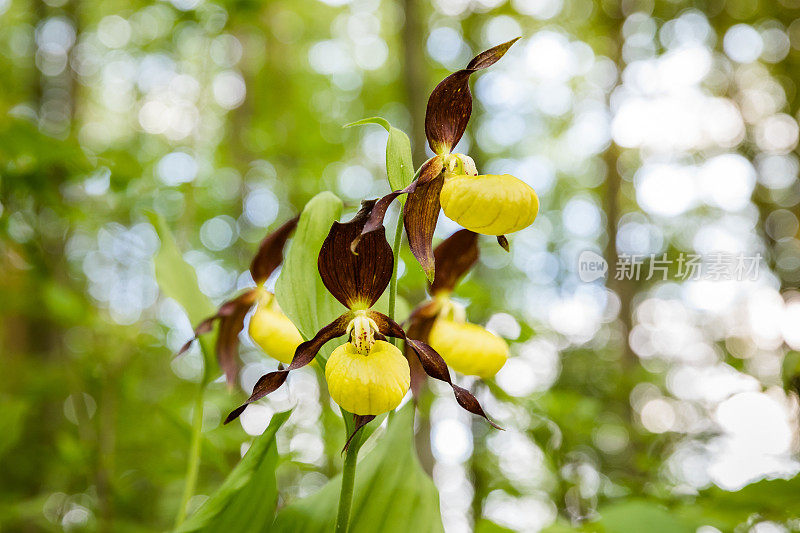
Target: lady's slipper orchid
[[272, 330], [486, 204], [366, 375], [465, 347], [269, 327]]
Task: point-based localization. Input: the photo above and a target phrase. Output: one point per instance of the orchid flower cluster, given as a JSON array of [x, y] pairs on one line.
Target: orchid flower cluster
[[366, 374]]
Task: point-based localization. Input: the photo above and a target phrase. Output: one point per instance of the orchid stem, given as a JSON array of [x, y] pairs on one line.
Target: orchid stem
[[348, 482], [193, 465]]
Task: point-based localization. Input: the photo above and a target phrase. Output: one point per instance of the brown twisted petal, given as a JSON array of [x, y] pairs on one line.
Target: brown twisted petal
[[427, 172], [356, 279], [454, 257], [450, 103], [432, 363], [421, 213], [270, 252], [361, 421], [224, 311], [228, 342], [304, 354], [231, 321], [435, 367]]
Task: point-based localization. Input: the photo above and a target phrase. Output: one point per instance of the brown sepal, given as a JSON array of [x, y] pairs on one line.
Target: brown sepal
[[432, 363], [421, 213], [356, 279], [304, 354], [450, 103], [502, 240], [360, 421], [270, 251], [428, 171], [454, 257]]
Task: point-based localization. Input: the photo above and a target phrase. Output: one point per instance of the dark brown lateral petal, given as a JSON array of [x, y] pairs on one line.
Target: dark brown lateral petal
[[361, 421], [428, 171], [454, 257], [432, 363], [450, 103], [304, 354], [421, 213], [392, 329], [503, 242], [375, 220], [435, 367], [356, 279], [202, 328], [386, 325], [228, 342], [270, 252], [245, 300]]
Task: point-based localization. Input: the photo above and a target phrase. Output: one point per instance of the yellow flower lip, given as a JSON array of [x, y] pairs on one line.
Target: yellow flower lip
[[368, 384], [274, 332], [489, 204], [468, 348]]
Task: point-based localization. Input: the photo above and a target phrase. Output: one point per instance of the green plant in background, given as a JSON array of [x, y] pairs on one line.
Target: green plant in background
[[367, 376], [645, 127]]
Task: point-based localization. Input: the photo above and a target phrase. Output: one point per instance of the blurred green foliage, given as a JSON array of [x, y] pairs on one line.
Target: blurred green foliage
[[224, 119]]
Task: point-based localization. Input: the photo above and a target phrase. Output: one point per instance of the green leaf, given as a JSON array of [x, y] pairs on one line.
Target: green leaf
[[774, 499], [641, 515], [178, 280], [399, 164], [246, 500], [392, 492], [299, 289]]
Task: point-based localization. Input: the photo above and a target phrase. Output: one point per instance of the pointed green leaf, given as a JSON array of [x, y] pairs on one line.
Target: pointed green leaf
[[299, 288], [178, 280], [399, 164], [392, 492], [246, 500]]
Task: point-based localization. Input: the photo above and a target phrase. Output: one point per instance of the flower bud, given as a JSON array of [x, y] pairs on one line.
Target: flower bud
[[274, 333], [468, 348], [368, 384], [489, 204]]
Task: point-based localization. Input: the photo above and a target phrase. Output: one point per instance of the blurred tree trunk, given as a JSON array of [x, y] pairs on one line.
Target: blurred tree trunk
[[611, 201], [413, 39]]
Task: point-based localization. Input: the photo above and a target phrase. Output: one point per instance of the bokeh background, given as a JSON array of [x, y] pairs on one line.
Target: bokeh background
[[647, 127]]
